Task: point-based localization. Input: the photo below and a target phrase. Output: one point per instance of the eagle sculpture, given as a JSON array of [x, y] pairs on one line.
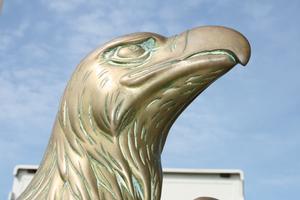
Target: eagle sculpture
[[117, 110]]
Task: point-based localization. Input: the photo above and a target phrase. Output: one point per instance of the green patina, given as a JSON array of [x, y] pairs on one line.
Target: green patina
[[215, 52], [149, 44]]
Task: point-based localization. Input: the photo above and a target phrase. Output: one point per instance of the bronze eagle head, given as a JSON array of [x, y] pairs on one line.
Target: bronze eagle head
[[118, 107]]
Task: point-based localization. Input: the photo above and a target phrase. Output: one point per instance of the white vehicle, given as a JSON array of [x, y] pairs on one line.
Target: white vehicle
[[178, 184]]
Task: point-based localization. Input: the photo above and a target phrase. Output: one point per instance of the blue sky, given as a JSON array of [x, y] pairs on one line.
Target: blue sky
[[249, 119]]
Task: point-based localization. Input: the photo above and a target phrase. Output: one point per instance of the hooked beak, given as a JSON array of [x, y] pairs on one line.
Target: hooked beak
[[203, 48]]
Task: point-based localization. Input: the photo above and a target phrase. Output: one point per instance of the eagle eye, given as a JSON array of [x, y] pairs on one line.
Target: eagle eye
[[130, 54], [130, 51]]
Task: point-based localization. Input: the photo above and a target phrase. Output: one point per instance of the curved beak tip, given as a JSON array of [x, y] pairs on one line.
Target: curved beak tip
[[220, 37], [244, 53]]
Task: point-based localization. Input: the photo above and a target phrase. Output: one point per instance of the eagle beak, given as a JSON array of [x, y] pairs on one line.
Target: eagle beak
[[194, 51], [211, 38]]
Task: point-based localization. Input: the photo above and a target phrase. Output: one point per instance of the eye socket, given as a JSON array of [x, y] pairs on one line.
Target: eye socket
[[131, 54]]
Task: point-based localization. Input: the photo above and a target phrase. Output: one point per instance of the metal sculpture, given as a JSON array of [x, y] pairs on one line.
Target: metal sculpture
[[118, 107]]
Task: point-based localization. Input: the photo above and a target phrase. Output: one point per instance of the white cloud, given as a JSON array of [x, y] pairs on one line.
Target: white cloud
[[260, 12], [258, 9], [9, 35], [27, 94], [63, 6]]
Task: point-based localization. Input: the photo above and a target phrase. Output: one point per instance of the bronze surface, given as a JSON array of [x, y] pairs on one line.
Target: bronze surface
[[118, 107]]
